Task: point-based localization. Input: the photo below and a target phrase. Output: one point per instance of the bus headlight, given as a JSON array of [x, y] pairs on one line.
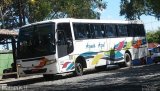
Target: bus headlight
[[18, 65], [51, 61]]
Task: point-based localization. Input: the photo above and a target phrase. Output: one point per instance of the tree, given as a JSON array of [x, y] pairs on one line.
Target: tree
[[154, 36], [133, 9], [7, 18], [21, 11], [37, 10], [153, 8], [51, 9], [150, 37]]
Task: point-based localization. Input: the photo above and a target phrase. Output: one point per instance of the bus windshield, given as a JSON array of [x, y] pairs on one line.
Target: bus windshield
[[36, 41]]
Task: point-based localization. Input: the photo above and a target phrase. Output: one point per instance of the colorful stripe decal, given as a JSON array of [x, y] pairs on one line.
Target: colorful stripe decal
[[97, 58], [88, 54], [128, 45], [71, 65], [65, 64], [119, 46]]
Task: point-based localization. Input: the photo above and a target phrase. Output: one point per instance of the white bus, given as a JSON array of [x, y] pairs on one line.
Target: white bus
[[74, 45]]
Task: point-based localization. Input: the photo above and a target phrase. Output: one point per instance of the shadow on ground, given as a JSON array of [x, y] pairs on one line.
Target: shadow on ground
[[137, 78]]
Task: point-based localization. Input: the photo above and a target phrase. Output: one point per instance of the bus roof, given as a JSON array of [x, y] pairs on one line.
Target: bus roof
[[86, 21]]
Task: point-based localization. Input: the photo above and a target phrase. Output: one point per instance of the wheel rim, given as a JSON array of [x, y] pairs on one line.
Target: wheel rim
[[128, 60], [79, 69]]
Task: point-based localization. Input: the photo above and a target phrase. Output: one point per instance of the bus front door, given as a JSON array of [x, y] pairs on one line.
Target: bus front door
[[62, 44]]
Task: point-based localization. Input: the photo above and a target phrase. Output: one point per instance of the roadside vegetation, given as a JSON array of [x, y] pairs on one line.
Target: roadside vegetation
[[153, 36]]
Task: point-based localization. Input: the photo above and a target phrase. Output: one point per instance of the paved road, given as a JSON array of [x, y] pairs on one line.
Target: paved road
[[137, 78]]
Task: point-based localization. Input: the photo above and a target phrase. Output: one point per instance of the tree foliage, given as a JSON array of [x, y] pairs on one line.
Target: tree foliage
[[70, 8], [154, 36], [20, 12], [5, 3], [7, 14], [37, 10], [133, 9]]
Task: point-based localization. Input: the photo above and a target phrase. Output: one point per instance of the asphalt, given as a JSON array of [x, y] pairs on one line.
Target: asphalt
[[136, 78]]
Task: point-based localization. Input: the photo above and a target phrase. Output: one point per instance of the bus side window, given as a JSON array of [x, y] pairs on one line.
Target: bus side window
[[111, 31], [103, 30], [91, 28], [95, 31], [138, 30], [142, 30], [98, 31], [130, 30], [122, 30], [80, 31]]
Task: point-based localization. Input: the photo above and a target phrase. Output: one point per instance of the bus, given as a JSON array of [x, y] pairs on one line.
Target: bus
[[74, 45]]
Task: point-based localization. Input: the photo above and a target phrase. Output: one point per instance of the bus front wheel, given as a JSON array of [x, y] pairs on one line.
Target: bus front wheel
[[128, 60], [78, 69]]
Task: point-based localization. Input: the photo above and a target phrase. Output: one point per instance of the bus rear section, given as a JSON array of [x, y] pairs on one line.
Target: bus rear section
[[105, 43]]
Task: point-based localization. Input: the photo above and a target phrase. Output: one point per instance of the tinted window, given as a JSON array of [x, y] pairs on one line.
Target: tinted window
[[81, 31], [91, 30], [88, 30], [66, 28], [95, 31], [36, 41], [138, 30], [141, 30], [122, 30], [110, 31], [130, 30]]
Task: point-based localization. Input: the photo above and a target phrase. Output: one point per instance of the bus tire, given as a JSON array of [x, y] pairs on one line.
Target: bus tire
[[127, 60], [78, 69]]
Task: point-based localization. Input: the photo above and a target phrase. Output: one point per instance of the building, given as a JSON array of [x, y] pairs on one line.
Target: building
[[7, 57]]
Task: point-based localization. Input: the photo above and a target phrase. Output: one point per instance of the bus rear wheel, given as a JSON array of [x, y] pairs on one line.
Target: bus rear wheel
[[78, 69], [128, 60]]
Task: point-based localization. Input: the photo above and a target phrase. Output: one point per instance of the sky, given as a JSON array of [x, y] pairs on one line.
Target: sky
[[112, 13]]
